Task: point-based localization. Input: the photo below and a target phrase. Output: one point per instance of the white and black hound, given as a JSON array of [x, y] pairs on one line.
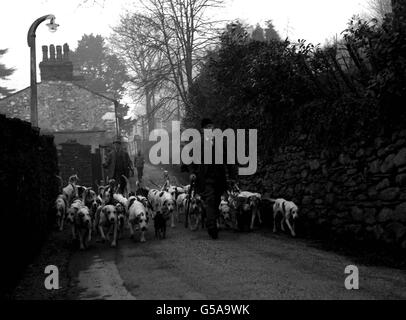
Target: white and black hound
[[288, 210]]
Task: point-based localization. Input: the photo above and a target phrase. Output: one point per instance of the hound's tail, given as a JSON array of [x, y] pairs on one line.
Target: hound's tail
[[74, 179]]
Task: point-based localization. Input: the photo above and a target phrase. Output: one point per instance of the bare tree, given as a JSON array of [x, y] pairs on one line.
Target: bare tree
[[185, 33], [148, 65]]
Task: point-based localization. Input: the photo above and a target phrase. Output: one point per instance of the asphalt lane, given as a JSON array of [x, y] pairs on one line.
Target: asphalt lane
[[190, 265]]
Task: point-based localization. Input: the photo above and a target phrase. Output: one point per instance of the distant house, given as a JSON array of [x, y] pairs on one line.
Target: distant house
[[66, 109]]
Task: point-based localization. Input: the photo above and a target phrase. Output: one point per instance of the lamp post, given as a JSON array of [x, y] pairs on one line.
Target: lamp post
[[31, 43]]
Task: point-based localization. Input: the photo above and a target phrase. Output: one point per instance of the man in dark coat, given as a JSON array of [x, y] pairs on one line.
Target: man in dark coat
[[139, 164], [210, 182], [118, 162]]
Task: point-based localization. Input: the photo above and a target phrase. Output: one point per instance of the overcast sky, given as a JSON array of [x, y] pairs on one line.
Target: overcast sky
[[313, 20]]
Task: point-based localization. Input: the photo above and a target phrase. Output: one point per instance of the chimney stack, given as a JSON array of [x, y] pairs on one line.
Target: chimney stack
[[56, 67]]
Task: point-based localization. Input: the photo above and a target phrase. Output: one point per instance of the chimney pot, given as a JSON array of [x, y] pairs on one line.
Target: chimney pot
[[58, 53], [44, 53], [52, 52], [65, 51]]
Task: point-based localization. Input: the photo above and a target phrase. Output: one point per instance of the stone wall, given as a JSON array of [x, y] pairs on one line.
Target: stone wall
[[356, 193]]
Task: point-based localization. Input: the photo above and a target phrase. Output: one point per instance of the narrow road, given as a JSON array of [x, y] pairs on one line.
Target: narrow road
[[190, 265]]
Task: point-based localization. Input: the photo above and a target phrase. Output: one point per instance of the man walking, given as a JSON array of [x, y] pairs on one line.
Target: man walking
[[210, 181], [118, 162], [139, 164]]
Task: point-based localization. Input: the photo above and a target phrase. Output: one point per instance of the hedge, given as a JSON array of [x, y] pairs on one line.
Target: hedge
[[29, 187]]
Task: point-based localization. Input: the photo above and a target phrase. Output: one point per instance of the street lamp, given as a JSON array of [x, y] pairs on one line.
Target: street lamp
[[31, 43]]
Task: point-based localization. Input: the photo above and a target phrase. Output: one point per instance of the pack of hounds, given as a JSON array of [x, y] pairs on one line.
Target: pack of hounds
[[108, 211]]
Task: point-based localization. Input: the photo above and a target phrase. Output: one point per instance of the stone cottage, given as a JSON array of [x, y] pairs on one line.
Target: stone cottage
[[82, 121]]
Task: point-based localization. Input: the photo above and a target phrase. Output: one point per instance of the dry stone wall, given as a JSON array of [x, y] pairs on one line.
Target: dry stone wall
[[357, 193]]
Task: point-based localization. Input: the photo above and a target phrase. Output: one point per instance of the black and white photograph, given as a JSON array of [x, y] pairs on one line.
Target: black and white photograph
[[205, 155]]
